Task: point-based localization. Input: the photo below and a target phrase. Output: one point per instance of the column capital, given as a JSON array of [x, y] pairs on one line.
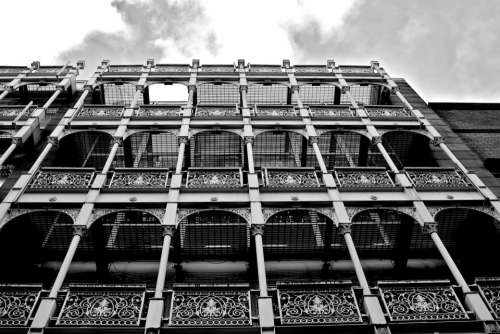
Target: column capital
[[243, 88], [53, 140], [249, 139], [344, 228], [313, 139], [183, 139], [168, 230], [79, 229], [118, 140], [430, 227], [257, 229]]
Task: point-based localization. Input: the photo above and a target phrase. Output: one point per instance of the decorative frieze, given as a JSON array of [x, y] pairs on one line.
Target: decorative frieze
[[427, 302], [317, 304], [17, 303], [99, 112], [214, 177], [438, 179], [139, 178], [364, 178], [62, 179], [285, 178], [207, 307], [102, 307]]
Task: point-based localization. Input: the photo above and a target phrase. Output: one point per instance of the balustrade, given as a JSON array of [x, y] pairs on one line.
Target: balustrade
[[275, 112], [99, 112], [125, 68], [217, 112], [325, 112], [157, 112], [438, 179], [11, 112], [221, 178], [146, 179], [388, 113], [286, 178], [356, 70], [490, 290], [62, 179], [17, 303], [364, 179]]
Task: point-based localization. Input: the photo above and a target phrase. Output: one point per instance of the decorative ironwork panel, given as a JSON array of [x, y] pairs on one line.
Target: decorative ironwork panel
[[125, 68], [438, 179], [327, 305], [9, 113], [331, 112], [290, 178], [170, 68], [101, 308], [210, 308], [206, 178], [356, 69], [17, 304], [275, 112], [158, 112], [425, 303], [146, 179], [388, 112], [12, 69], [49, 69], [217, 68], [217, 111], [99, 112], [363, 178], [490, 289], [310, 69], [62, 179], [265, 68]]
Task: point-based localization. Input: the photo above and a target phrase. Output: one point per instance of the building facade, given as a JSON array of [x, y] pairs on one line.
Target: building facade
[[272, 199]]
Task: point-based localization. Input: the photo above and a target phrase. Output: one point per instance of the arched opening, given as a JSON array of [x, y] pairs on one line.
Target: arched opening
[[29, 241], [212, 245], [384, 234], [282, 149], [348, 149], [82, 149], [473, 239], [166, 93], [216, 149], [409, 149], [148, 149]]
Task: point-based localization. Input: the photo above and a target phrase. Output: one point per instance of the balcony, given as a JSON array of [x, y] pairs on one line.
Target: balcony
[[62, 180], [352, 70], [138, 179], [439, 179], [217, 112], [12, 113], [490, 290], [290, 179], [157, 112], [364, 179], [99, 112], [332, 112], [122, 69], [275, 112], [17, 303], [219, 178], [389, 113]]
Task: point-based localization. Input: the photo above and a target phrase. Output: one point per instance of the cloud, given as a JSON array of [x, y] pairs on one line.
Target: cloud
[[153, 29], [447, 49]]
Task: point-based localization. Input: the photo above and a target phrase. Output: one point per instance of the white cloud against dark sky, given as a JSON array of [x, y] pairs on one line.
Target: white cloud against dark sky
[[447, 49]]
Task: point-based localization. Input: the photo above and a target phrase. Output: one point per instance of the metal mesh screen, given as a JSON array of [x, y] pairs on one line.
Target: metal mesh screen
[[5, 141], [282, 149], [382, 232], [348, 149], [365, 94], [216, 149], [148, 150], [316, 94], [298, 234], [83, 149], [218, 93], [212, 234], [120, 94], [408, 149], [267, 94]]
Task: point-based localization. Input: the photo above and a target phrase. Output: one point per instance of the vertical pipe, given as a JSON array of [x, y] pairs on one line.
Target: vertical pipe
[[7, 153], [449, 262], [61, 275], [261, 267], [162, 270], [357, 264], [110, 159]]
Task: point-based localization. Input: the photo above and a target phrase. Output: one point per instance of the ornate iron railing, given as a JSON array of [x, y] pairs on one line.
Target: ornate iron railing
[[217, 112], [102, 306], [210, 306], [299, 69], [13, 112], [317, 303], [10, 70], [62, 179], [223, 178], [290, 178], [275, 112], [421, 301], [99, 112], [364, 178], [331, 112], [348, 69], [388, 112], [146, 179], [437, 179], [258, 69], [17, 303], [157, 112], [217, 69], [490, 290], [170, 68], [124, 68]]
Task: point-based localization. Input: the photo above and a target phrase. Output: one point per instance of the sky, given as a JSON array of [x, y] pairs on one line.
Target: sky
[[448, 50]]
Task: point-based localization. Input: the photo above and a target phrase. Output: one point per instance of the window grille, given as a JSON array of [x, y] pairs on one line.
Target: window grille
[[218, 93], [120, 94], [408, 149], [267, 94], [364, 94], [216, 149], [316, 94], [282, 149]]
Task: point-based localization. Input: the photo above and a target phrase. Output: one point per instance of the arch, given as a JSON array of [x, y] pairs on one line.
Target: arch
[[282, 148], [82, 149], [473, 238], [300, 233], [171, 92], [341, 148], [216, 149], [217, 92], [409, 149], [212, 234], [148, 149], [390, 233], [30, 238]]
